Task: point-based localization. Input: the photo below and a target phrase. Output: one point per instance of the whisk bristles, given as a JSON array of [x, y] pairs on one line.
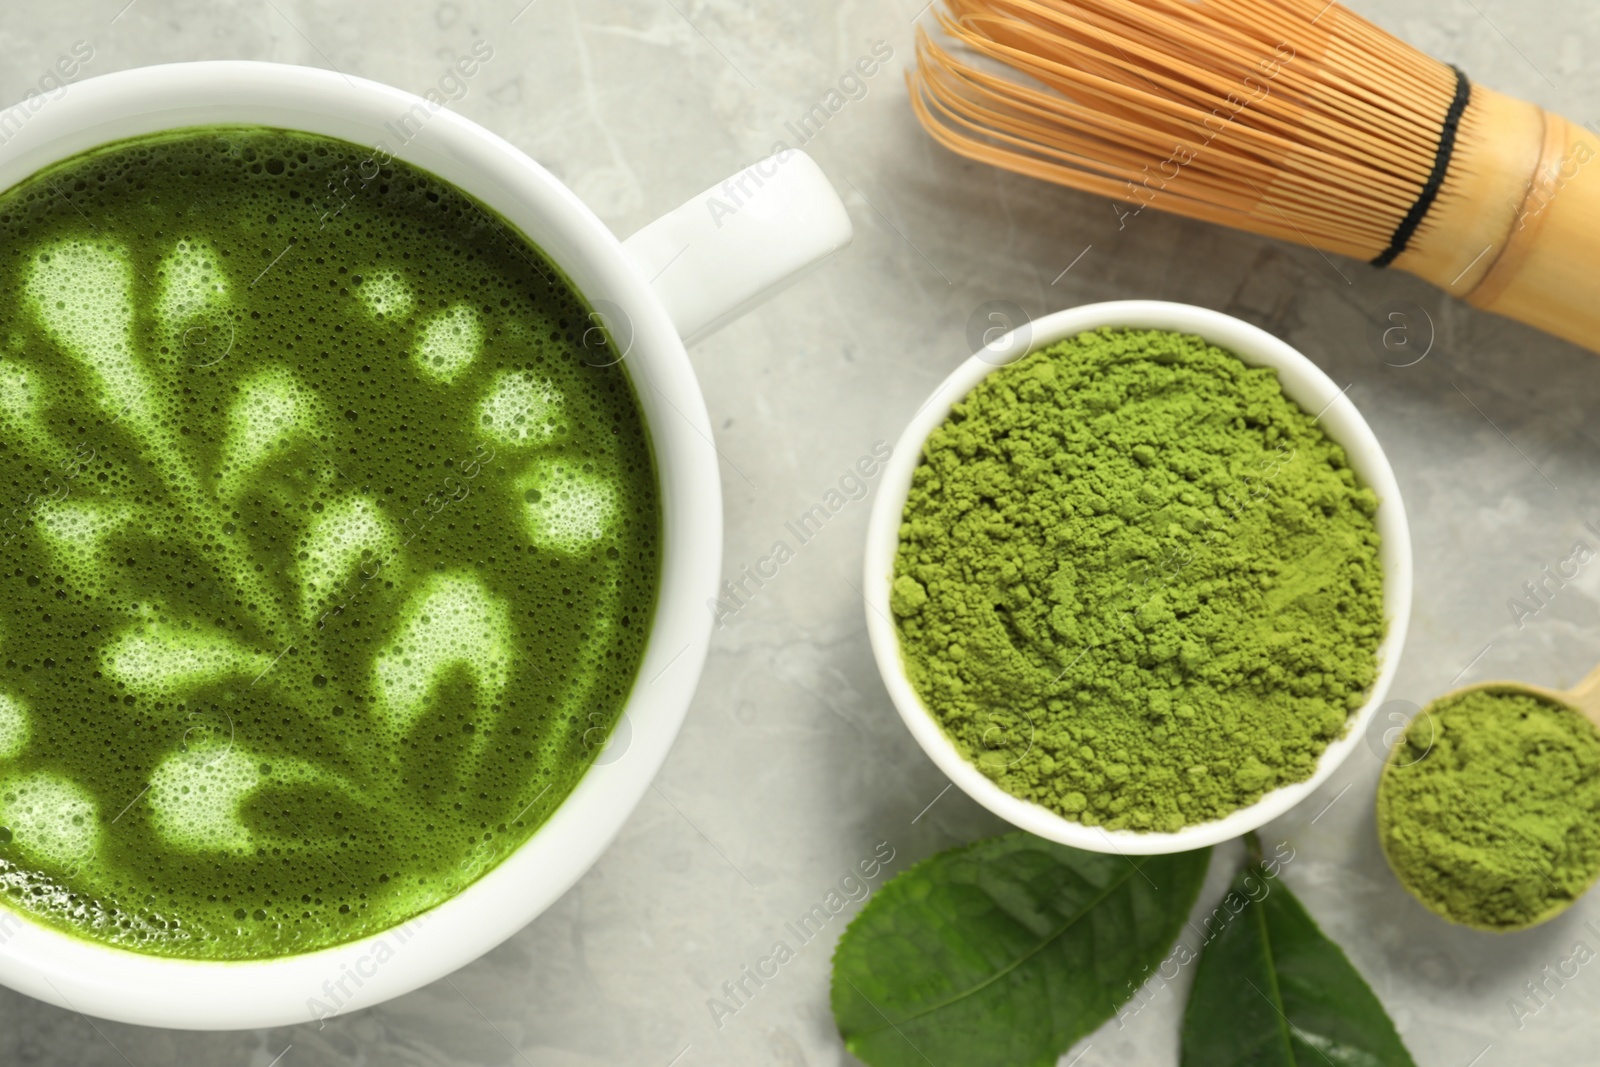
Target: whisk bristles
[[1295, 119]]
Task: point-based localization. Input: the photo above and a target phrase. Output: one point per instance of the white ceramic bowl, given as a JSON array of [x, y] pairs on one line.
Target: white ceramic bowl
[[680, 277], [1303, 383]]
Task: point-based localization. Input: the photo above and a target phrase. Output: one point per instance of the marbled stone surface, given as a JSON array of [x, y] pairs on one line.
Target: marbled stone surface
[[793, 765]]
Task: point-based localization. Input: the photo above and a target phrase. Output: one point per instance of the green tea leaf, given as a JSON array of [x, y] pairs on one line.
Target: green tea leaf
[[1272, 991], [1004, 953]]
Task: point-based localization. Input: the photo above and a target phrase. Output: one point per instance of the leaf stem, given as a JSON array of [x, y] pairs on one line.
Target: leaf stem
[[1252, 848]]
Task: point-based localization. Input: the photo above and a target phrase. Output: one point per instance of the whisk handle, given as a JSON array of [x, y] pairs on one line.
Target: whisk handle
[[1516, 230], [1548, 272]]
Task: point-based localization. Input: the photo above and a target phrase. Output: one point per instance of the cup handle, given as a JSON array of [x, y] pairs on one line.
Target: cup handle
[[740, 242]]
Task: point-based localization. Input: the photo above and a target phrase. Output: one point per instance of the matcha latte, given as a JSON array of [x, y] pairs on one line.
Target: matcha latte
[[329, 549]]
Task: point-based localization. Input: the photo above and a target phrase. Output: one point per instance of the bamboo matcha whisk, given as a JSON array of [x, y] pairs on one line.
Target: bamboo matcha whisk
[[1295, 119]]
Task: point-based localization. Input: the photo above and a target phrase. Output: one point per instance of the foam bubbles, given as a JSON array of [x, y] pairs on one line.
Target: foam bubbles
[[386, 295], [80, 293], [19, 397], [520, 410], [76, 532], [51, 818], [448, 342], [164, 658], [13, 726], [273, 409], [80, 525], [567, 507], [195, 798], [350, 532], [191, 282], [451, 621]]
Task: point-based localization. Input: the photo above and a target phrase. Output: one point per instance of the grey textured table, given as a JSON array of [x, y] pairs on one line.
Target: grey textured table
[[793, 765]]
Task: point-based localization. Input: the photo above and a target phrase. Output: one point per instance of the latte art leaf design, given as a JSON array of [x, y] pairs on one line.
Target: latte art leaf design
[[328, 552], [84, 294]]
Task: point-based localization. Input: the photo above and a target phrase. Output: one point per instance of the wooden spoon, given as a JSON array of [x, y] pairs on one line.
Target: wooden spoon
[[1583, 698]]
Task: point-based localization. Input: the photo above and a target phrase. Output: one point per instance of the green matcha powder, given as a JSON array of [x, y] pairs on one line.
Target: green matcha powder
[[1489, 810], [1135, 583]]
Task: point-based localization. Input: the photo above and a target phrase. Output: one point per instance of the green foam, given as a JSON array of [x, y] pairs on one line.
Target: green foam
[[18, 399], [387, 295], [352, 536], [13, 727], [453, 622], [162, 658], [273, 411], [520, 411], [192, 283], [51, 818], [568, 507], [78, 535], [198, 795], [331, 550], [81, 292], [448, 342]]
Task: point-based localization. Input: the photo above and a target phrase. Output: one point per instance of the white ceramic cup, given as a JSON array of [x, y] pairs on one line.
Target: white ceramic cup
[[678, 279], [1303, 383]]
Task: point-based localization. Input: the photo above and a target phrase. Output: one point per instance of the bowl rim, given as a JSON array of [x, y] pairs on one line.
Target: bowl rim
[[97, 979], [1304, 383]]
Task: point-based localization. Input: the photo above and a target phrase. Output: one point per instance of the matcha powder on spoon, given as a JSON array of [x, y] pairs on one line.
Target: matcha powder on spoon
[[1489, 810], [1136, 584]]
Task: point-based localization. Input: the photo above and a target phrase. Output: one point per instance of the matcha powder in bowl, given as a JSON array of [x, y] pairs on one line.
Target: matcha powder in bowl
[[1137, 585]]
